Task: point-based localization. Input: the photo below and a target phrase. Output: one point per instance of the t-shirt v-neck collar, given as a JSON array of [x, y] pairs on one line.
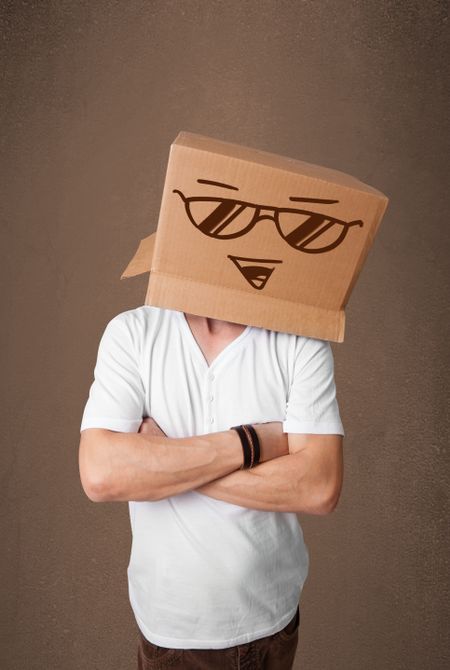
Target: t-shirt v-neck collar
[[227, 351]]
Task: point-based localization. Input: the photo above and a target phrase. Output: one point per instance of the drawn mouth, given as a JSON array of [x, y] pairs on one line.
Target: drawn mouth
[[254, 270]]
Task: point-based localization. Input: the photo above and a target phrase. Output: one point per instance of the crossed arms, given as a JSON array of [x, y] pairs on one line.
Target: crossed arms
[[297, 472]]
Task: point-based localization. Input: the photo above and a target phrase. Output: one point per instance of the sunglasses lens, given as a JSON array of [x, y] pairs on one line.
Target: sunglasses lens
[[310, 232], [222, 219]]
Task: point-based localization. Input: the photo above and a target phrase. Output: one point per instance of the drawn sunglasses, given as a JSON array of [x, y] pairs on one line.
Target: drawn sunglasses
[[231, 218]]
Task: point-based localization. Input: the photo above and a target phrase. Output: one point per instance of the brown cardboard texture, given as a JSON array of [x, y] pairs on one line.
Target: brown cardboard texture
[[257, 238]]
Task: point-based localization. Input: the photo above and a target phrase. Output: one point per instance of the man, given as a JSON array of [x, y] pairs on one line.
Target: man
[[218, 559]]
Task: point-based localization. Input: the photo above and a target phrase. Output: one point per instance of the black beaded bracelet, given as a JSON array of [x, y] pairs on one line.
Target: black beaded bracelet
[[250, 441], [245, 447], [250, 445], [256, 444]]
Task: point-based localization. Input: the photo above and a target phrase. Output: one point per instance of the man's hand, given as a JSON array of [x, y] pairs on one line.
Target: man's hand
[[273, 442], [150, 427]]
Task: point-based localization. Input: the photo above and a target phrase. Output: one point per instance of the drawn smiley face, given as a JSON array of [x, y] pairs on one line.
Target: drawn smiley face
[[224, 218]]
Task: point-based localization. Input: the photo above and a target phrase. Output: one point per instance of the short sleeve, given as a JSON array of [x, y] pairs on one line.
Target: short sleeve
[[117, 396], [312, 405]]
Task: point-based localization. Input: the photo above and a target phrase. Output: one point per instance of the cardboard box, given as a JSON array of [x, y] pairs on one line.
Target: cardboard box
[[259, 239]]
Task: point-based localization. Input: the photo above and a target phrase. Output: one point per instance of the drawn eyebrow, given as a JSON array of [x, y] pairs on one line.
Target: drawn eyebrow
[[235, 188], [321, 200], [216, 183]]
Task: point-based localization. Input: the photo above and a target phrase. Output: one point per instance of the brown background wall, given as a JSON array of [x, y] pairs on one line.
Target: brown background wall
[[93, 95]]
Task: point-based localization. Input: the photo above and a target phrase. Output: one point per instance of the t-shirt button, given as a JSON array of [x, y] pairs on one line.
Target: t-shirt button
[[211, 398], [212, 419], [211, 376]]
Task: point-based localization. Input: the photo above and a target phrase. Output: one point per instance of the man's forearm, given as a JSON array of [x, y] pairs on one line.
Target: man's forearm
[[128, 466], [281, 485]]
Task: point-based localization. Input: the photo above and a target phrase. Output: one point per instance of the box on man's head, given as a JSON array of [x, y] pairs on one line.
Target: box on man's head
[[258, 239]]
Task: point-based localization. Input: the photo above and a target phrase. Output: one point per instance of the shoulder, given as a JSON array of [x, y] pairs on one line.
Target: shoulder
[[139, 324], [299, 355], [312, 351], [141, 317], [296, 345]]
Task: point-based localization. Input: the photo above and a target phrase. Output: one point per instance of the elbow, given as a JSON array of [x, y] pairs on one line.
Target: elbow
[[327, 501], [95, 491], [94, 486], [329, 492], [91, 472]]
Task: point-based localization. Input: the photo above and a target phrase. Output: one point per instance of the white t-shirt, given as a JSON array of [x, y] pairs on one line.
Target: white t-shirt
[[204, 573]]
